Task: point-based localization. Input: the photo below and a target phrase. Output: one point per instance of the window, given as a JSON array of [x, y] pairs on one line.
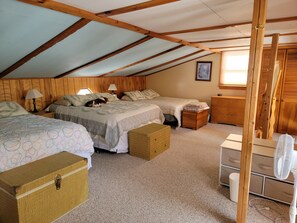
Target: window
[[234, 68]]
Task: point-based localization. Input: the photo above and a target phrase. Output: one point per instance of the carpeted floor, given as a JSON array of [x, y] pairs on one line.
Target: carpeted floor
[[180, 185]]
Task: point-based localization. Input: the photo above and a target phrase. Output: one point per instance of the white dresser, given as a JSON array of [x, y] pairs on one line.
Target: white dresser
[[263, 182]]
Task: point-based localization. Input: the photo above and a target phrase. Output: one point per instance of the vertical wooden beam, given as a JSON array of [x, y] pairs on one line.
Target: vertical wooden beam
[[268, 96], [256, 49]]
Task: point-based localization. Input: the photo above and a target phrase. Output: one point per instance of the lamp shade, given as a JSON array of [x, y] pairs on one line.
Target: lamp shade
[[33, 93], [112, 87], [84, 91]]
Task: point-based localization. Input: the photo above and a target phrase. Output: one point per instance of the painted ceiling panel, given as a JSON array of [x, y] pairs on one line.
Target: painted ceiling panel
[[204, 53], [90, 42], [209, 35], [96, 6], [23, 29], [132, 55], [156, 61], [179, 15]]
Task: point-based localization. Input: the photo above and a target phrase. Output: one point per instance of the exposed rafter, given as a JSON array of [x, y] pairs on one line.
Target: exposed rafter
[[163, 64], [243, 37], [72, 29], [143, 60], [136, 7], [106, 20], [180, 64], [138, 42], [287, 19], [67, 32]]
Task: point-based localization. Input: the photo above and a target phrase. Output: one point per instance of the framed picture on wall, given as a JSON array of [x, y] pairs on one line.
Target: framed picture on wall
[[203, 70]]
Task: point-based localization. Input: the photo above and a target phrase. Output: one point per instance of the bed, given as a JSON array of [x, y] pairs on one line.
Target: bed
[[169, 105], [108, 125], [25, 137]]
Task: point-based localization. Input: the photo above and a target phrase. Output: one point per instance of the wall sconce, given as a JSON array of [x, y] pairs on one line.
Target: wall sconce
[[33, 94], [112, 88], [84, 91]]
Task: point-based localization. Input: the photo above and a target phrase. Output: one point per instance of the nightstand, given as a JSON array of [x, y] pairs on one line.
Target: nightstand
[[193, 119], [45, 114]]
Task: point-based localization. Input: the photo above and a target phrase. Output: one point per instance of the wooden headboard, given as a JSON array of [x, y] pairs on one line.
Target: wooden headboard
[[52, 89]]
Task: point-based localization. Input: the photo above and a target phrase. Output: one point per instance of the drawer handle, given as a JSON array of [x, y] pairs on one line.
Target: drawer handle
[[234, 160], [287, 194], [265, 167]]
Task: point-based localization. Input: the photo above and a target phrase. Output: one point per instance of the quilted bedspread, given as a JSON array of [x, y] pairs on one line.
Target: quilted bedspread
[[26, 138], [110, 120]]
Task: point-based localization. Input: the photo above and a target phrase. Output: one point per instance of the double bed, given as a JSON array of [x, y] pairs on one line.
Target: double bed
[[108, 124], [25, 137]]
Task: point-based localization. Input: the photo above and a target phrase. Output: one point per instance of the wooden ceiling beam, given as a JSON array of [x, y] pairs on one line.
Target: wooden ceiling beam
[[276, 20], [136, 43], [135, 7], [180, 64], [163, 64], [67, 32], [244, 37], [106, 20], [143, 60]]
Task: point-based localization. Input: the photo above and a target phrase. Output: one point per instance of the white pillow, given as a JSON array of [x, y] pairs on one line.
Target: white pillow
[[11, 108], [110, 97], [150, 93], [62, 102], [135, 95], [126, 98], [78, 100]]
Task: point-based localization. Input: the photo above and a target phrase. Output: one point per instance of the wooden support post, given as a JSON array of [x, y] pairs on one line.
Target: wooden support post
[[256, 49], [265, 115]]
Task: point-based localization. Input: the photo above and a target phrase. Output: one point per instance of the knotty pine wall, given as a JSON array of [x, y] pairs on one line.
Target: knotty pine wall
[[52, 89]]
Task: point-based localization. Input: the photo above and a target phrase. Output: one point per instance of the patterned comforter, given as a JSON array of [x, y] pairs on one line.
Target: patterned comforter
[[111, 120], [26, 138]]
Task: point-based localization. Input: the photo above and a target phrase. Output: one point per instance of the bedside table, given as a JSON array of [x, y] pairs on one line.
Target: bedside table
[[45, 114], [193, 119]]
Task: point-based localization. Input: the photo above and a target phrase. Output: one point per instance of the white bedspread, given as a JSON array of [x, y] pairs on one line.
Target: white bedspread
[[169, 105], [110, 121], [26, 138]]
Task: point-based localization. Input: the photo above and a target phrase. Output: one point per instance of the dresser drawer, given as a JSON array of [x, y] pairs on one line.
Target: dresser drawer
[[255, 184], [278, 190], [231, 157]]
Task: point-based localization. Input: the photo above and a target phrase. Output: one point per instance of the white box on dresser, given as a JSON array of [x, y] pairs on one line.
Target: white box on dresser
[[263, 182]]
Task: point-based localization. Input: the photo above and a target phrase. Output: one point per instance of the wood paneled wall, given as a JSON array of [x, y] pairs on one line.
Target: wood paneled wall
[[52, 89]]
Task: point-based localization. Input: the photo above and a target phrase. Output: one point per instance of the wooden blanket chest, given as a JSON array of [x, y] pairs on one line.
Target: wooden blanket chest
[[43, 190], [149, 141]]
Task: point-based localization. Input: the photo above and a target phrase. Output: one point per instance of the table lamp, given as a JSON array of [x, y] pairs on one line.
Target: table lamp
[[112, 88], [33, 94]]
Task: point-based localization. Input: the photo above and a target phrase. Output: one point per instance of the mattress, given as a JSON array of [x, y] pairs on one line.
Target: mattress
[[26, 138], [109, 122]]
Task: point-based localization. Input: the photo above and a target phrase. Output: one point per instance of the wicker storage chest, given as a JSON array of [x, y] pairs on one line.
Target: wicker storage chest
[[149, 141], [43, 190]]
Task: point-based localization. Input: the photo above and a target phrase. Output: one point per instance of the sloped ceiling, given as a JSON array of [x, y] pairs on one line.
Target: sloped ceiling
[[127, 37]]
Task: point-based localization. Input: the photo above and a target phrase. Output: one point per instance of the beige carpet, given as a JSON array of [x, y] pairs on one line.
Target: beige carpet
[[180, 185]]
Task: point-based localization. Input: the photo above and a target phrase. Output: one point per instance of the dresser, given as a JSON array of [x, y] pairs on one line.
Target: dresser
[[263, 183], [45, 114], [227, 110]]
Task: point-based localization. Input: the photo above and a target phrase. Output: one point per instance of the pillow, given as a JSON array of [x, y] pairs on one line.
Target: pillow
[[11, 108], [110, 97], [78, 100], [135, 95], [97, 102], [126, 98], [150, 93], [62, 102]]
